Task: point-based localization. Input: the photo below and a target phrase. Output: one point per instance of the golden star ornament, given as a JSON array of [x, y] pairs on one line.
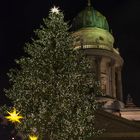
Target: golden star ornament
[[14, 116], [55, 10], [33, 137]]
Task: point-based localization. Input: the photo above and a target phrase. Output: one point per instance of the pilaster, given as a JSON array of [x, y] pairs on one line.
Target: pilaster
[[119, 84]]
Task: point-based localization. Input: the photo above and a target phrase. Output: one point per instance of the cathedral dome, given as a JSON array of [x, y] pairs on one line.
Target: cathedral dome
[[89, 17], [91, 30]]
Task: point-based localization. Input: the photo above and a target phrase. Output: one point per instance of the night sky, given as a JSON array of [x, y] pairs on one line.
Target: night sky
[[18, 19]]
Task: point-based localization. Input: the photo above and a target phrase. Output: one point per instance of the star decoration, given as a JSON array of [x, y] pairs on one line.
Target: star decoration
[[55, 10], [33, 137], [14, 116]]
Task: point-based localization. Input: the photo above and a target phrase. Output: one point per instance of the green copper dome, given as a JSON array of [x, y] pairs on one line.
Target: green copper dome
[[90, 18]]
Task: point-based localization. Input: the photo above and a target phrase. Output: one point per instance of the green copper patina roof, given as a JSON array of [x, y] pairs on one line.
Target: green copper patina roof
[[90, 17]]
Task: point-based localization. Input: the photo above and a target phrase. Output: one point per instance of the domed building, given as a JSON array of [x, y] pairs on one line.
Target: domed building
[[94, 37], [92, 33]]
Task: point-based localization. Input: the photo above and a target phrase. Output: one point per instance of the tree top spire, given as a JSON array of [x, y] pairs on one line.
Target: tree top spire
[[89, 2]]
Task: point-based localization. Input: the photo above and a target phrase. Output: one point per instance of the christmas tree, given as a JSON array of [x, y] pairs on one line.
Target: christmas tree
[[51, 87]]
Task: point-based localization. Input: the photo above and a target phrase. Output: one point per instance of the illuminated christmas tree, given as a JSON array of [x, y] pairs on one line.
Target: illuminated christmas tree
[[51, 89]]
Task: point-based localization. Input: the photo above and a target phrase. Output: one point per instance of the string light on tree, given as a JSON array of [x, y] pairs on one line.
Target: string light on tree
[[55, 10], [14, 116], [51, 79]]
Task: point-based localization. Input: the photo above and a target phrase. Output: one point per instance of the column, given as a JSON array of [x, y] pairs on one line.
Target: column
[[119, 84], [98, 67], [112, 80]]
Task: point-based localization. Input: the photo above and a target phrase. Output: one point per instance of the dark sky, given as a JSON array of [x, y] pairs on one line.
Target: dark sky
[[18, 19]]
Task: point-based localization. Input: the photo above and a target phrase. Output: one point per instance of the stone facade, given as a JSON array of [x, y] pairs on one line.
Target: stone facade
[[106, 63], [116, 127], [93, 36]]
